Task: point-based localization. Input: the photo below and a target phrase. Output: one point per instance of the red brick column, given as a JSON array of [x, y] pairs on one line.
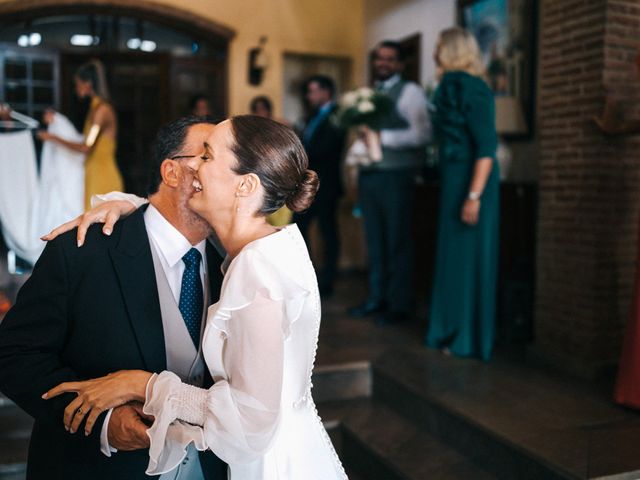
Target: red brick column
[[589, 182]]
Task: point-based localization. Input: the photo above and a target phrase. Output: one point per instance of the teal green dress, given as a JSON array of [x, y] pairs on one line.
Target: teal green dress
[[463, 300]]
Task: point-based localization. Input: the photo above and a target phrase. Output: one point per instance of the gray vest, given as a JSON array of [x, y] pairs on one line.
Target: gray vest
[[397, 158], [182, 357]]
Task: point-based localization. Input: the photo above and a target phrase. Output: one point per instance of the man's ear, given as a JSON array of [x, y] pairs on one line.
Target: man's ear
[[169, 172], [248, 184]]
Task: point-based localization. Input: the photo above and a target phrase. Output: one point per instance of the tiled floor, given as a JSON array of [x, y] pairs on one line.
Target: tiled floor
[[344, 339], [558, 420]]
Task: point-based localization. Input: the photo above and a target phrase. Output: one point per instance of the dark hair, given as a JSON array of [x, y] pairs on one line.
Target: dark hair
[[325, 83], [93, 72], [195, 99], [273, 152], [168, 143], [253, 106], [88, 72], [394, 45]]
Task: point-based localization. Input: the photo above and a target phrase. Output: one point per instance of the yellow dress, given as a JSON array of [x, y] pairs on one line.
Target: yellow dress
[[101, 174]]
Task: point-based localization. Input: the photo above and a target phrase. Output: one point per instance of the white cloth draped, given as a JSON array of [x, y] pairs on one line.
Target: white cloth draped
[[30, 206], [259, 344], [19, 194], [61, 177]]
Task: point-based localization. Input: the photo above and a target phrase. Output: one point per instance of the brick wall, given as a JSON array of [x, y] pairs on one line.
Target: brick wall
[[589, 182]]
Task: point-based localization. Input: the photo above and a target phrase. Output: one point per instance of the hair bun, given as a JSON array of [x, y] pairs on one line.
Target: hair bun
[[305, 192]]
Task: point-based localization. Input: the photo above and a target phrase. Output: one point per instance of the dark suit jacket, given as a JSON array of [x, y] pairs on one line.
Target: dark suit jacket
[[86, 312], [325, 149]]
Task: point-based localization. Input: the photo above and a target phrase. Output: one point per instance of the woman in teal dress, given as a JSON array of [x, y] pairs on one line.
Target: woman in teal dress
[[463, 300]]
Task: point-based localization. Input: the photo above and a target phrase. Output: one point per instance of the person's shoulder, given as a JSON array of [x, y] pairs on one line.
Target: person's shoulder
[[95, 240], [471, 88], [273, 252], [476, 85], [104, 109]]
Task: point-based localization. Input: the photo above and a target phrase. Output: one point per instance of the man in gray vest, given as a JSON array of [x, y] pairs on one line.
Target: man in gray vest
[[135, 298], [386, 191]]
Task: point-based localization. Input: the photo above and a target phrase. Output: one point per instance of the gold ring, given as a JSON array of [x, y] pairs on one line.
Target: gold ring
[[79, 410]]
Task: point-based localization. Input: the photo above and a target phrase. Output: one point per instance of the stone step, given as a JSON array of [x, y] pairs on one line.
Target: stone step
[[341, 381], [13, 458], [515, 421], [5, 402], [15, 430], [378, 443]]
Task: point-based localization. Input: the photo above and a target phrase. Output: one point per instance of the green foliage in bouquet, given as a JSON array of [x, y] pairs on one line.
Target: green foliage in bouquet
[[363, 106]]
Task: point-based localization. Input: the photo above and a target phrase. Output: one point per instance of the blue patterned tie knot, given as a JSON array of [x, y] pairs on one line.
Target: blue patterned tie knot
[[192, 258], [191, 295]]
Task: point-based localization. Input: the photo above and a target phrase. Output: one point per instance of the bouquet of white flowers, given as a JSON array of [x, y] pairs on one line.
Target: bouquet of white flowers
[[364, 109]]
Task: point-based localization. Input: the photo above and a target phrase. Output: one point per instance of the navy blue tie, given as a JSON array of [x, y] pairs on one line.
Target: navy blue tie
[[191, 296]]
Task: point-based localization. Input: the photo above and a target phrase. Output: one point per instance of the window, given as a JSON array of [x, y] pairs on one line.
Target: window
[[29, 79]]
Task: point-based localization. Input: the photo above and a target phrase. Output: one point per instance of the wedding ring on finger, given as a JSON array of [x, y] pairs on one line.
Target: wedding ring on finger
[[79, 410]]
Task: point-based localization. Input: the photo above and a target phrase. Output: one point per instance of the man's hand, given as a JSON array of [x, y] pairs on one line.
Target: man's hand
[[127, 428]]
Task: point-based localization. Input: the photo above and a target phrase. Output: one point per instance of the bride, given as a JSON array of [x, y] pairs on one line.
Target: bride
[[260, 339]]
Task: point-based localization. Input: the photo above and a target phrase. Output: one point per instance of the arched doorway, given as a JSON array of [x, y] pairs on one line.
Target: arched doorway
[[148, 86]]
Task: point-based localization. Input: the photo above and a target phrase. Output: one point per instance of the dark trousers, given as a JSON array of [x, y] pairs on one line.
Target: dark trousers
[[386, 200], [324, 209]]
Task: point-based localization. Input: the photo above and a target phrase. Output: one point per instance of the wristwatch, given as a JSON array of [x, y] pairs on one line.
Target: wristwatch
[[474, 196]]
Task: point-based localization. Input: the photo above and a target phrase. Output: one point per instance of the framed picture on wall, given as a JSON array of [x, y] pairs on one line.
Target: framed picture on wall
[[505, 30]]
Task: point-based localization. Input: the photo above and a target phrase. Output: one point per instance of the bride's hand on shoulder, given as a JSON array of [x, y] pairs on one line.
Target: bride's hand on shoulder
[[100, 394], [108, 213]]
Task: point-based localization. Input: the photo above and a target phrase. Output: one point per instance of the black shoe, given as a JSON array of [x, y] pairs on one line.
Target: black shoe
[[391, 318], [365, 309]]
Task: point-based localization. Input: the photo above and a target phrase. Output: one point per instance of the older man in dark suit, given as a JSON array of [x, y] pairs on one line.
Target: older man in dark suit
[[324, 142], [116, 303]]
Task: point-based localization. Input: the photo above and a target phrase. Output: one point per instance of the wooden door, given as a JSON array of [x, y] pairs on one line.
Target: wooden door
[[198, 76]]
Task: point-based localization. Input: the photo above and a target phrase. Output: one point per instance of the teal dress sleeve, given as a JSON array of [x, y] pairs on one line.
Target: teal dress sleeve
[[481, 119]]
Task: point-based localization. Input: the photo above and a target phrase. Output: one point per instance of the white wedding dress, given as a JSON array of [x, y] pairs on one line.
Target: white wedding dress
[[259, 344]]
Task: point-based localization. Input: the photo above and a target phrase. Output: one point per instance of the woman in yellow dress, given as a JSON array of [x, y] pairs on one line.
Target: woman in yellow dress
[[100, 132]]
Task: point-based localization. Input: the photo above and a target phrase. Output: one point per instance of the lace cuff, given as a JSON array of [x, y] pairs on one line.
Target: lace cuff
[[167, 399], [192, 404]]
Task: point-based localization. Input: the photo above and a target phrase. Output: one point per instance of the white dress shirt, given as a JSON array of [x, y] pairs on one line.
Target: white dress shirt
[[412, 106], [171, 246]]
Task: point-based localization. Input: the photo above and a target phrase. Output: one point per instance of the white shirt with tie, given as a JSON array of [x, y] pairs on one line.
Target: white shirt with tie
[[412, 106], [171, 246]]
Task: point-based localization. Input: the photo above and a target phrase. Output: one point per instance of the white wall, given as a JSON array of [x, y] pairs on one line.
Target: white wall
[[397, 19]]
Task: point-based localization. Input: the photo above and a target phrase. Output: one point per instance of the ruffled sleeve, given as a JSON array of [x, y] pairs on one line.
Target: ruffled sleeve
[[238, 417], [253, 274], [99, 199]]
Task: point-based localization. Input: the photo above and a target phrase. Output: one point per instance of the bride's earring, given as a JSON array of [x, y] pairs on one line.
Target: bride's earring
[[237, 202]]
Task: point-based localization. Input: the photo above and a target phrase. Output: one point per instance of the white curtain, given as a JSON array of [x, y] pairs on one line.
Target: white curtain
[[32, 206], [19, 194]]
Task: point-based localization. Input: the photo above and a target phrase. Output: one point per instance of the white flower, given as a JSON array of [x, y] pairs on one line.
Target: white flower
[[366, 106], [349, 99], [365, 92]]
